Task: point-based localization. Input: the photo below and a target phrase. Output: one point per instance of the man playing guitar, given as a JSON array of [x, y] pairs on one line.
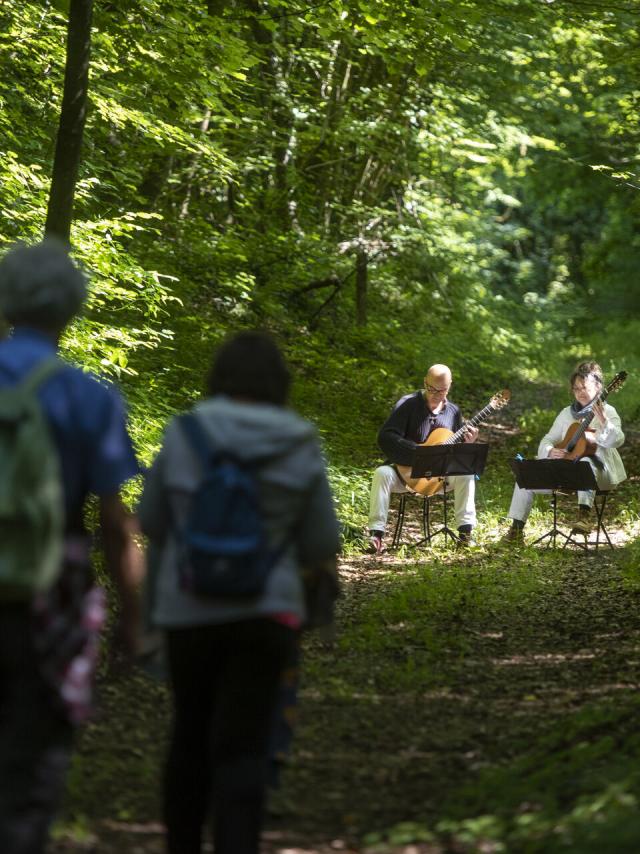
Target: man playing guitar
[[604, 438], [411, 421]]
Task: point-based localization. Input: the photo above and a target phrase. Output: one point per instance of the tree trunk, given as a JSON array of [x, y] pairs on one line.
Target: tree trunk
[[272, 100], [361, 287], [191, 173], [72, 118]]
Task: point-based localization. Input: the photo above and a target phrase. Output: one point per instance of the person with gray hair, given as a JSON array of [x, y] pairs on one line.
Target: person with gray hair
[[41, 287], [48, 640]]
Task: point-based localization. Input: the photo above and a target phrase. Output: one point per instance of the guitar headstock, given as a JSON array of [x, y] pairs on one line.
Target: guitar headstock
[[617, 382], [500, 398]]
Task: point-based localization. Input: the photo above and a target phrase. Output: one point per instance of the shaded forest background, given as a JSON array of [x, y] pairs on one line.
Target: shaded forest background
[[382, 184]]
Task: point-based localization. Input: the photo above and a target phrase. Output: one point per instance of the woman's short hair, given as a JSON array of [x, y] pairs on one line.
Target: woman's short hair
[[584, 370], [40, 285], [250, 365]]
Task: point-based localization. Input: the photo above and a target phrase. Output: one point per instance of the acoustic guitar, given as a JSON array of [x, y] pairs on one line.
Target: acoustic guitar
[[441, 436], [579, 441]]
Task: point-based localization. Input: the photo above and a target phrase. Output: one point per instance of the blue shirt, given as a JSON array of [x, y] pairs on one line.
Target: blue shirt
[[87, 420], [409, 425]]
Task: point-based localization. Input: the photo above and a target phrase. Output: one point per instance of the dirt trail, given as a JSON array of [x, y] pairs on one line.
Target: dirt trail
[[370, 752], [369, 759]]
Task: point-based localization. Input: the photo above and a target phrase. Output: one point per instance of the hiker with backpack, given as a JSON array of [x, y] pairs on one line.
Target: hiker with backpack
[[62, 436], [235, 505]]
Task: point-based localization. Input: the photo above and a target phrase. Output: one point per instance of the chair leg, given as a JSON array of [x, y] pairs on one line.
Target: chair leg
[[399, 522], [427, 534], [600, 508], [426, 520]]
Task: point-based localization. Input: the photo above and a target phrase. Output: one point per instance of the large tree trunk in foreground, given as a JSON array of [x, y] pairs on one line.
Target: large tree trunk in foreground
[[72, 117]]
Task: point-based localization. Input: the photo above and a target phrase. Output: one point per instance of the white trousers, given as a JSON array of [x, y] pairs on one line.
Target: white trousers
[[522, 499], [386, 481]]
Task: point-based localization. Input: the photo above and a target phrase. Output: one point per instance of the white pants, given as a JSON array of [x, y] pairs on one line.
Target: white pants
[[522, 499], [386, 481]]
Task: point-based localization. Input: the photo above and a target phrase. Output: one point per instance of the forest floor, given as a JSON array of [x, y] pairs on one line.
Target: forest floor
[[479, 700]]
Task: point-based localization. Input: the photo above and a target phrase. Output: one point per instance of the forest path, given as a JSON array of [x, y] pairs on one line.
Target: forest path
[[447, 665]]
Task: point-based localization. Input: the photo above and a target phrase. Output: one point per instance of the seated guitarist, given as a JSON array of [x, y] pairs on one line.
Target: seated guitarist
[[586, 384], [413, 417]]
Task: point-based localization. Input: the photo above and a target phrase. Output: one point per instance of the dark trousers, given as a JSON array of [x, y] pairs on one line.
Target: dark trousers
[[35, 740], [224, 680], [285, 715]]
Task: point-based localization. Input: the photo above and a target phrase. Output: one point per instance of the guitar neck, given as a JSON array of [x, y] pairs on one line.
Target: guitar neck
[[586, 420], [473, 422]]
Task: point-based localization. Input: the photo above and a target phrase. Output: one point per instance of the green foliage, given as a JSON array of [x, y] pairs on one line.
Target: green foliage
[[222, 190], [617, 346], [534, 423], [119, 286], [576, 790], [630, 565], [234, 166], [403, 833]]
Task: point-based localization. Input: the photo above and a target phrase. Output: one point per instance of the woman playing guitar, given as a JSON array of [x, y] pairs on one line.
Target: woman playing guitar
[[587, 429]]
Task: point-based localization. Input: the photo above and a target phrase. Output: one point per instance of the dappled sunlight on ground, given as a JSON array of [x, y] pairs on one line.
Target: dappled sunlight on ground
[[448, 665]]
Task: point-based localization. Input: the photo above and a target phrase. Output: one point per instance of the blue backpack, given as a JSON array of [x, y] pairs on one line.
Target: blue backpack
[[225, 551]]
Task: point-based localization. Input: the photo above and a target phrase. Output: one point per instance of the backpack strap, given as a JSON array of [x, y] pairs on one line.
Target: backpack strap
[[42, 371], [199, 441], [197, 436]]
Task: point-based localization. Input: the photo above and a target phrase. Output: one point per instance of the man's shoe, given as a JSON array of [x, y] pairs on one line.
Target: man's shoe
[[584, 522], [513, 537], [375, 545], [465, 540]]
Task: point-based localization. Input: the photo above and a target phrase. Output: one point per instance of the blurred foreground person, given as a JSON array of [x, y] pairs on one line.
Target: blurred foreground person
[[62, 436], [229, 591]]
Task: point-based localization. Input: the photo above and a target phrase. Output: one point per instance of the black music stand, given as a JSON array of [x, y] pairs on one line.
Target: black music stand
[[466, 458], [554, 476]]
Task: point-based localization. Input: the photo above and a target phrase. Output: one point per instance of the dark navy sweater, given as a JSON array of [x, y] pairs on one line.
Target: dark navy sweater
[[409, 425]]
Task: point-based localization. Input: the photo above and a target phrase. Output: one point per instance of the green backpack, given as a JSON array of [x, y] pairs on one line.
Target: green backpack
[[31, 492]]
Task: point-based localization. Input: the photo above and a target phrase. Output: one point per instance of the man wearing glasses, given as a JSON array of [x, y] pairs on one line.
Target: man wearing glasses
[[586, 385], [411, 421]]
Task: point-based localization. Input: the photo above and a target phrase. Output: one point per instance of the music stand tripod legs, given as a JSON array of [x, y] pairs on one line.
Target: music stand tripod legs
[[446, 461], [554, 476], [554, 532], [444, 528]]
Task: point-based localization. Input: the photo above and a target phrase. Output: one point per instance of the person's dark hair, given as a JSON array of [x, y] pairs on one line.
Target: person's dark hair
[[250, 365], [585, 370], [40, 286]]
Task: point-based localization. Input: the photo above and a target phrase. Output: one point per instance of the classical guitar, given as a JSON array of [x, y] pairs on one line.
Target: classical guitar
[[441, 436], [579, 441]]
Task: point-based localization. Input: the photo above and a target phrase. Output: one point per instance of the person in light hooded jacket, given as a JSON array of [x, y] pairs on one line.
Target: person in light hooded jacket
[[225, 657]]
